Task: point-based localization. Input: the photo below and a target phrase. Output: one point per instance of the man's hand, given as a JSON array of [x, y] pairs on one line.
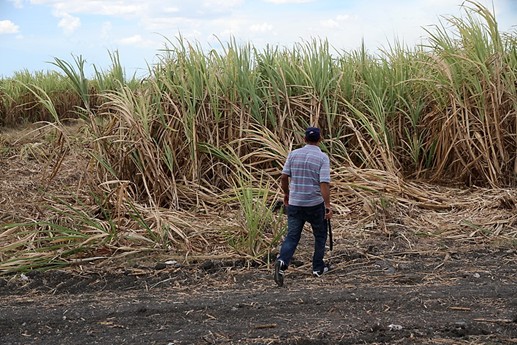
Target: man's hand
[[325, 193], [328, 213], [284, 183]]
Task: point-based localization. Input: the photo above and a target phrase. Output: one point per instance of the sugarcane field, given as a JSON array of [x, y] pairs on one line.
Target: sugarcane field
[[149, 210]]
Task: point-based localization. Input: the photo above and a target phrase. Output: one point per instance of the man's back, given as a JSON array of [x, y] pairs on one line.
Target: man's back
[[307, 168]]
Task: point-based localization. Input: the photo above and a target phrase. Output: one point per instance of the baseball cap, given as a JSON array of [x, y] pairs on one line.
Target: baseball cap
[[312, 134]]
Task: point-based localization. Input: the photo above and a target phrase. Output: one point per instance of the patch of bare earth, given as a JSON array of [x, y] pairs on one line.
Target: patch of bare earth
[[398, 298]]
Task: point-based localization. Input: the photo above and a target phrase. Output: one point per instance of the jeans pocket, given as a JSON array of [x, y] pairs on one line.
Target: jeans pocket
[[292, 211]]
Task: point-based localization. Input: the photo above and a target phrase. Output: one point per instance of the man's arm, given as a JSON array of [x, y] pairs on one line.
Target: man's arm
[[325, 193], [284, 183]]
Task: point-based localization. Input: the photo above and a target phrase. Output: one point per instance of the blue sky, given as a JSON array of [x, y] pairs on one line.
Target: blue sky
[[33, 32]]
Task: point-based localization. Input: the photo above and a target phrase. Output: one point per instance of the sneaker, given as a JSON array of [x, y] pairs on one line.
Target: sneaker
[[279, 272], [319, 273]]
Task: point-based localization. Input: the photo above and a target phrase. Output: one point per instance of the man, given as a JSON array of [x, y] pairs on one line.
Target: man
[[307, 199]]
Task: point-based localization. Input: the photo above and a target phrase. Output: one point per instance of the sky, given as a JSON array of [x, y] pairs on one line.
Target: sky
[[34, 32]]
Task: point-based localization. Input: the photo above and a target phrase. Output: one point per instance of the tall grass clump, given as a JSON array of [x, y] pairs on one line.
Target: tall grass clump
[[441, 111], [72, 93], [470, 74], [114, 77], [260, 228], [19, 104]]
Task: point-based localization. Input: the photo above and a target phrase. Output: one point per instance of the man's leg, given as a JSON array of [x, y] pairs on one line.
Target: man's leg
[[319, 230], [294, 232]]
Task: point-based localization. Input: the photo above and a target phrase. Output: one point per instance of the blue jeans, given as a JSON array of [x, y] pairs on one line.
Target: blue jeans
[[296, 218]]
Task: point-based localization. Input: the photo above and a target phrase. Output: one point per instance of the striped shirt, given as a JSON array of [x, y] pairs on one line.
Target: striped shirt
[[307, 167]]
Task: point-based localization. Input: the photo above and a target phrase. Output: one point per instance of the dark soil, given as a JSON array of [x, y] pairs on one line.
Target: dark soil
[[368, 298]]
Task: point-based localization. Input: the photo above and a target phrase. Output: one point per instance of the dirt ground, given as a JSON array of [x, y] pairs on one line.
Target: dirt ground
[[369, 297]]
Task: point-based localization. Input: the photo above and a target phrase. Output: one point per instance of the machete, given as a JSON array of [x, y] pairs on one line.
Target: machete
[[329, 228]]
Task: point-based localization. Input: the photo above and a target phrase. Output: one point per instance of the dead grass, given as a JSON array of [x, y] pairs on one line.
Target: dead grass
[[370, 205]]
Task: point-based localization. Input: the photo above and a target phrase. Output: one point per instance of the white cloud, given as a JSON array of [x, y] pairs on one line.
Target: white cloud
[[329, 23], [106, 8], [136, 40], [222, 4], [171, 10], [17, 3], [8, 27], [161, 24], [343, 17], [140, 9], [278, 2], [68, 23], [264, 27], [106, 29], [227, 27]]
